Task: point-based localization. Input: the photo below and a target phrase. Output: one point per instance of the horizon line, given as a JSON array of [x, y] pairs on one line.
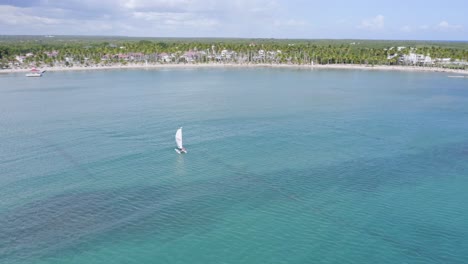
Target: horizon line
[[241, 38]]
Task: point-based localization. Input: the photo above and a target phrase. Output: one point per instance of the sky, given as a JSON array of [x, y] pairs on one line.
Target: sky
[[330, 19]]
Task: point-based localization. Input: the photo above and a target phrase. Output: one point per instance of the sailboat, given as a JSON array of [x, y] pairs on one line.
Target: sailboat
[[178, 139], [34, 73]]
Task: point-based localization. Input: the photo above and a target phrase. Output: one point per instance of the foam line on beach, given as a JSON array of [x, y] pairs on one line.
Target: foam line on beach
[[246, 65]]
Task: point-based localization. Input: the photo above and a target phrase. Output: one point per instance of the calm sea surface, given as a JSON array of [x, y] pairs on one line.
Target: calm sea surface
[[283, 166]]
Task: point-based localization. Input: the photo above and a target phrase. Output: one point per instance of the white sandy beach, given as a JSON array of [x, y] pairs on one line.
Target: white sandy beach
[[235, 65]]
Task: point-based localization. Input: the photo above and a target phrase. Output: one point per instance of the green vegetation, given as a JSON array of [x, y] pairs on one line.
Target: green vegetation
[[75, 50]]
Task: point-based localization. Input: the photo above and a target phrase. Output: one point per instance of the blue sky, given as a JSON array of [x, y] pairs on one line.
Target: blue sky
[[358, 19]]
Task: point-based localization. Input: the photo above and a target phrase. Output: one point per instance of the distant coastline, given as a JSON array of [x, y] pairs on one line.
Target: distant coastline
[[60, 54], [245, 65]]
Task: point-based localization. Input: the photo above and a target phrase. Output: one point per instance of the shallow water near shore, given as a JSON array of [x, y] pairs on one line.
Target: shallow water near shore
[[283, 166]]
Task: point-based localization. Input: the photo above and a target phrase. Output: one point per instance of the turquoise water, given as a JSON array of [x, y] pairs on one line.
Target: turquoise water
[[283, 166]]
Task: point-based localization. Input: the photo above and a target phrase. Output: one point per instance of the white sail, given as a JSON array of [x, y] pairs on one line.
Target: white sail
[[178, 138]]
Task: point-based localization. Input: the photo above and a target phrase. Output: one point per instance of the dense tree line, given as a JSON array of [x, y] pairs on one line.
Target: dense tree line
[[93, 49]]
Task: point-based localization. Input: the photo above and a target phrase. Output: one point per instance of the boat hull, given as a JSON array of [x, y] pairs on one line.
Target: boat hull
[[34, 75], [180, 151]]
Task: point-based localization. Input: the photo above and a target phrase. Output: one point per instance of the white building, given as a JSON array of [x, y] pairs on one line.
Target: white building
[[414, 58], [20, 59]]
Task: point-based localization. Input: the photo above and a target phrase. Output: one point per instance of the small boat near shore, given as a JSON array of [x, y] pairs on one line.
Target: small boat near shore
[[34, 73]]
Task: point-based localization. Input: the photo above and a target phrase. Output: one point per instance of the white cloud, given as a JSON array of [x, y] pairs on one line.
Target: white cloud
[[375, 23], [216, 18], [11, 15], [165, 5], [290, 23], [445, 26], [406, 29], [342, 21], [147, 17], [175, 19], [25, 21]]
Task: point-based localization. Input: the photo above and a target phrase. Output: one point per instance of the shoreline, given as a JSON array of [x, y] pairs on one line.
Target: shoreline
[[235, 65]]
